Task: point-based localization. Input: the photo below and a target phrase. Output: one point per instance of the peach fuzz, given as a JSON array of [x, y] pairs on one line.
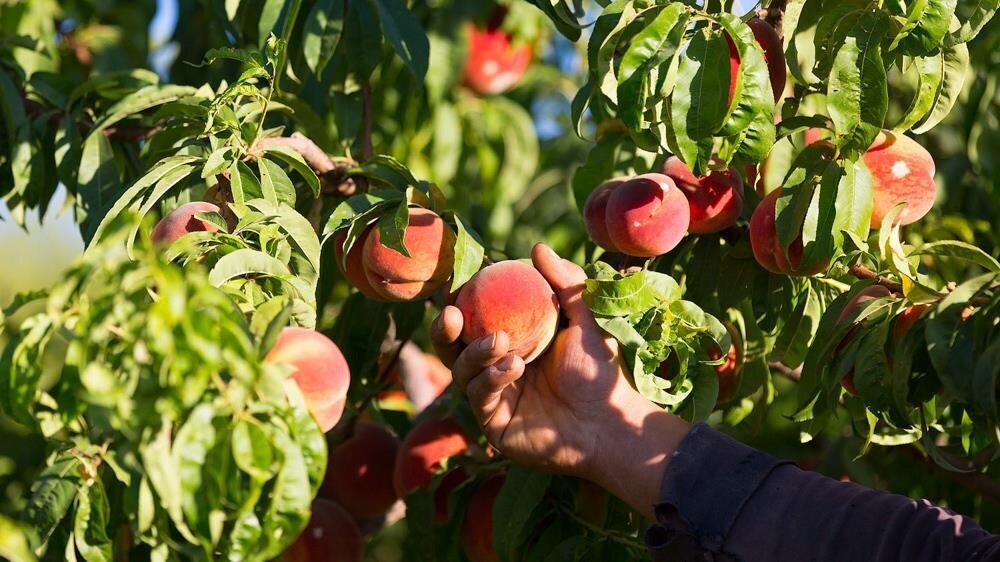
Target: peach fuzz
[[513, 297], [353, 268], [716, 200], [431, 245], [595, 213], [477, 528], [647, 216], [493, 65], [330, 536], [359, 473], [902, 172], [852, 307], [182, 221], [767, 248], [319, 370], [423, 450]]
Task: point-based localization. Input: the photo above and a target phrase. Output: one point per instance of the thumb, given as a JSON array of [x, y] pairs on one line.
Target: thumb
[[567, 280]]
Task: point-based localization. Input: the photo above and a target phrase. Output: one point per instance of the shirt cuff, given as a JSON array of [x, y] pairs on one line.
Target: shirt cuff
[[708, 479]]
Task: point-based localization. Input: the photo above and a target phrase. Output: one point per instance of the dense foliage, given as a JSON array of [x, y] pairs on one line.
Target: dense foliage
[[362, 160]]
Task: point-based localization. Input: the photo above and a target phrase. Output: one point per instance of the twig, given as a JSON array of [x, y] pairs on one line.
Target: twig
[[774, 13], [367, 151], [785, 371], [862, 272], [332, 174]]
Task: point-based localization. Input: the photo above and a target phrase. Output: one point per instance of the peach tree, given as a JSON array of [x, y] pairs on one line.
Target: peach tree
[[787, 212]]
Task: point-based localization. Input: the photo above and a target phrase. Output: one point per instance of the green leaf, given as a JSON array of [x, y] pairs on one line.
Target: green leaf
[[752, 94], [99, 185], [52, 495], [322, 32], [954, 69], [392, 228], [980, 15], [356, 206], [137, 102], [931, 27], [267, 20], [90, 528], [522, 492], [252, 450], [13, 544], [275, 183], [469, 255], [190, 449], [857, 95], [624, 296], [249, 58], [405, 34], [657, 43], [295, 160], [958, 250], [700, 101], [217, 161], [246, 262]]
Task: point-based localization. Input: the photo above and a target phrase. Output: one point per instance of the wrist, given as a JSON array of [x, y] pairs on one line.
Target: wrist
[[634, 452]]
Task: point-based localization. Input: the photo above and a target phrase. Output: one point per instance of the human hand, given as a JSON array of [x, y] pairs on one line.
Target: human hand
[[570, 411]]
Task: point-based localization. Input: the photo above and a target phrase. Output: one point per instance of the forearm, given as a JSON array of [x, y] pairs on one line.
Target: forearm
[[633, 454], [720, 495]]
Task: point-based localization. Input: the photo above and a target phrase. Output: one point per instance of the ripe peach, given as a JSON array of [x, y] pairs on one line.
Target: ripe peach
[[353, 267], [493, 65], [431, 245], [320, 371], [647, 216], [449, 482], [182, 221], [511, 296], [595, 211], [727, 372], [767, 248], [850, 309], [477, 528], [716, 200], [423, 449], [905, 320], [330, 536], [903, 172], [359, 474], [774, 56]]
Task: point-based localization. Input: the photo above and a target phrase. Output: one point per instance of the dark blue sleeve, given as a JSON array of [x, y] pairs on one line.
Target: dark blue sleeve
[[724, 501]]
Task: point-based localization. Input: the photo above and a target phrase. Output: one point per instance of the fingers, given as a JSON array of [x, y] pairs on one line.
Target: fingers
[[479, 355], [445, 331], [567, 280], [486, 389]]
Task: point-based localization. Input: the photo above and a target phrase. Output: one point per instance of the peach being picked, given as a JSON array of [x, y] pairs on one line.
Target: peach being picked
[[319, 370], [182, 221], [645, 216], [716, 200], [396, 277], [513, 297]]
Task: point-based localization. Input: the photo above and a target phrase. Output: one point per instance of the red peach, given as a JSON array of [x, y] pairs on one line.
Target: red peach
[[320, 371], [647, 216], [477, 528], [330, 536], [595, 213], [727, 372], [451, 480], [513, 297], [716, 200], [767, 248], [353, 268], [774, 56], [182, 221], [902, 172], [423, 450], [359, 473], [905, 320], [493, 65], [431, 245]]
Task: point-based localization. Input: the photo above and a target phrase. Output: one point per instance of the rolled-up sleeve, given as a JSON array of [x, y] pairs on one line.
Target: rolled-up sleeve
[[724, 501]]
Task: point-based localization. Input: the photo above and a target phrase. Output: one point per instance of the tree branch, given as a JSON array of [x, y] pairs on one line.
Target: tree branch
[[862, 272], [774, 13], [786, 371], [332, 174]]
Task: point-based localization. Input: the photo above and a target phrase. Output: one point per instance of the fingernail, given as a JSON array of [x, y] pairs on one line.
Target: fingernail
[[505, 364], [488, 342]]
